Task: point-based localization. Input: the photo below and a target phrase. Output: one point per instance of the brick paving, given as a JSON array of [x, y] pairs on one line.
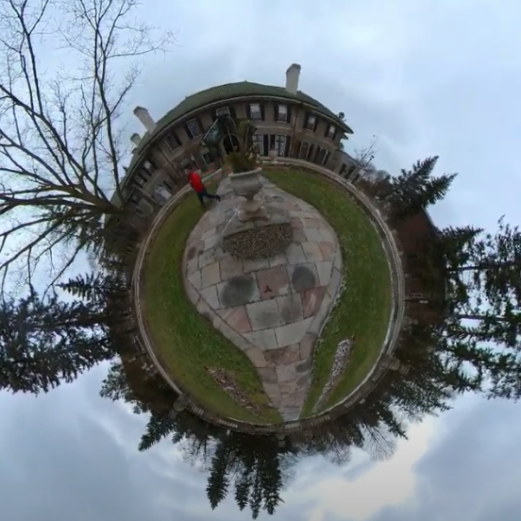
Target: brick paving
[[272, 309]]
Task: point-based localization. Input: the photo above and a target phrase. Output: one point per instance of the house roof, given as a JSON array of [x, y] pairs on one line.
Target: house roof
[[224, 92]]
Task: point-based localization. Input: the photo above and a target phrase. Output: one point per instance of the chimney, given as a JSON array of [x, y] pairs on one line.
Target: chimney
[[292, 77], [135, 138], [145, 118]]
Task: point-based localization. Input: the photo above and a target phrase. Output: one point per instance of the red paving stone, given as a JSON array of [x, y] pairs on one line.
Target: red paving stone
[[275, 280], [327, 249], [236, 318]]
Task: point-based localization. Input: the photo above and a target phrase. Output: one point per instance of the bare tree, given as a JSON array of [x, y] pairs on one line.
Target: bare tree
[[60, 136], [364, 156]]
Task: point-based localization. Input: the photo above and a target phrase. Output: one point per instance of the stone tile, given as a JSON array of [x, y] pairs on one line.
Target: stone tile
[[238, 290], [303, 381], [311, 222], [192, 265], [307, 345], [290, 308], [204, 309], [327, 235], [303, 277], [295, 254], [337, 261], [210, 275], [191, 251], [241, 342], [192, 293], [304, 366], [324, 272], [336, 277], [296, 223], [278, 260], [328, 250], [313, 235], [272, 390], [292, 333], [299, 235], [288, 387], [322, 224], [211, 242], [312, 251], [273, 282], [299, 214], [286, 373], [311, 301], [236, 318], [263, 314], [256, 355], [254, 265], [230, 267], [195, 279], [284, 355], [288, 399], [207, 257], [264, 339], [268, 375], [321, 315], [211, 297]]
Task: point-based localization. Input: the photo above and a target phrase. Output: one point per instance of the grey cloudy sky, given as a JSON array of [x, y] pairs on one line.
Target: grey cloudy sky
[[427, 77]]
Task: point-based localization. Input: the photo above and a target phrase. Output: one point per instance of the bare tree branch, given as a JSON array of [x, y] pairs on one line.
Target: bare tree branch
[[60, 134]]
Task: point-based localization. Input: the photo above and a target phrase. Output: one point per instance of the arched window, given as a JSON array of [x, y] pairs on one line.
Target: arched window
[[303, 151], [319, 160]]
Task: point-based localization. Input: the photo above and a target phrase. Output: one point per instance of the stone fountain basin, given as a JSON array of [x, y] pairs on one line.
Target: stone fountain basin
[[246, 184]]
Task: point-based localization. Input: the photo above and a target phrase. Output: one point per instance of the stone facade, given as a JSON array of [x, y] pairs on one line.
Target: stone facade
[[288, 122]]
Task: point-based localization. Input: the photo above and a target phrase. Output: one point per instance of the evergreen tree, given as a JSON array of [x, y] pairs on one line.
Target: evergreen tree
[[414, 190], [159, 426], [482, 331], [46, 341], [218, 480]]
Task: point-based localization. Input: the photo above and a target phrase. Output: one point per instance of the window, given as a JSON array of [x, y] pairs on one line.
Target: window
[[331, 131], [193, 128], [282, 114], [311, 122], [320, 156], [255, 112], [280, 145], [207, 158], [304, 151], [171, 142], [326, 157], [258, 141], [149, 168], [140, 180], [223, 111]]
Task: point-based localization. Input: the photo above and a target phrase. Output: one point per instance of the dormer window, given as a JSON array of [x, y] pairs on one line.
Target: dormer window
[[172, 142], [255, 112], [193, 128], [311, 122], [282, 114], [223, 111]]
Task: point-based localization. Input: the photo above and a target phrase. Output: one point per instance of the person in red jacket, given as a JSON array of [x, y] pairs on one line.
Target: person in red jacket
[[197, 184]]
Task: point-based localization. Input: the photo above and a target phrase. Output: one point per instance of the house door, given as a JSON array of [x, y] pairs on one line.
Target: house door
[[230, 142]]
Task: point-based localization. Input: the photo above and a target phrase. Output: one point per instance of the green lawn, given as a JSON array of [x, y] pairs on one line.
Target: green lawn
[[365, 307], [185, 342]]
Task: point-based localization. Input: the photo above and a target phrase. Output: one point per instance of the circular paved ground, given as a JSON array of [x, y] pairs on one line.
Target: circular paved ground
[[272, 309]]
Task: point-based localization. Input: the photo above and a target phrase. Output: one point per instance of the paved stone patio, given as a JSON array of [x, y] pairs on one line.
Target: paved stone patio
[[272, 309]]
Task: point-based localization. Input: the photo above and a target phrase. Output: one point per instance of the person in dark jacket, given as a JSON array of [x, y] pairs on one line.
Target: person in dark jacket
[[198, 186]]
